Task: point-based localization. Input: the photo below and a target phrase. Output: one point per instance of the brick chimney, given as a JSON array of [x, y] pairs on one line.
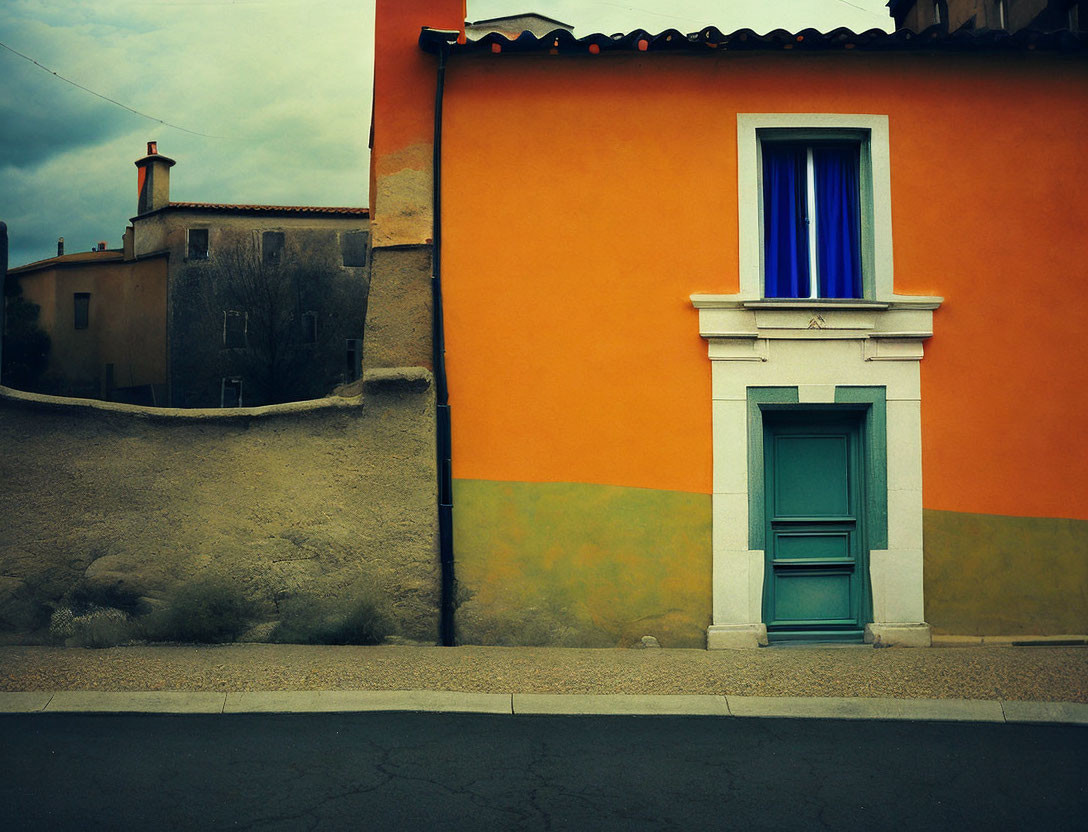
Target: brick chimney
[[153, 180]]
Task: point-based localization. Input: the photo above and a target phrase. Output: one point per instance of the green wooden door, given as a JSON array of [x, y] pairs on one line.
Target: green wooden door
[[816, 581]]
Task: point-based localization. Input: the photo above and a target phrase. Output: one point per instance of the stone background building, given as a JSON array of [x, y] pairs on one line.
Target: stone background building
[[1010, 15], [206, 304]]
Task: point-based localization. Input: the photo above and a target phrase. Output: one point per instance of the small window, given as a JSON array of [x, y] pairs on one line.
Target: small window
[[230, 394], [353, 248], [1002, 15], [308, 334], [812, 245], [850, 187], [82, 303], [354, 359], [272, 245], [234, 329], [198, 244]]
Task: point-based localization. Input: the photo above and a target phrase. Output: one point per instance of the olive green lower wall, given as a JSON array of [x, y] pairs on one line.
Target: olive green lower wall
[[991, 575], [581, 565], [595, 565]]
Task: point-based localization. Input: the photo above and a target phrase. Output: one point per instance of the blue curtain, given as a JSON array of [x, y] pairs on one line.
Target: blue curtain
[[838, 225], [785, 234]]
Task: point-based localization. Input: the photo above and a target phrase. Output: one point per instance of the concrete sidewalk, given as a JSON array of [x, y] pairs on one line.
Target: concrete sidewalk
[[993, 684], [515, 704]]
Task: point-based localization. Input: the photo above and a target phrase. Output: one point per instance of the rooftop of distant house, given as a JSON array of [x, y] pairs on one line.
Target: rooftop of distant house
[[76, 258], [232, 208], [498, 21]]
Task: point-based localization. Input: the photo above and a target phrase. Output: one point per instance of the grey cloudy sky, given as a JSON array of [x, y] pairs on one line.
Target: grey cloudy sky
[[279, 88]]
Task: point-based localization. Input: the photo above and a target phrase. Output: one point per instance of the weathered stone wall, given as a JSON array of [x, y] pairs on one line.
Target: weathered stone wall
[[315, 275], [399, 311], [316, 496]]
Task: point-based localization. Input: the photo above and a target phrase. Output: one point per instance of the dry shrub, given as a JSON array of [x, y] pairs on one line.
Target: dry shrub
[[359, 620], [206, 610]]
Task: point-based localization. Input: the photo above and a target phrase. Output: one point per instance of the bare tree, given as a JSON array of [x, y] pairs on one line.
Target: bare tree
[[261, 308], [251, 316]]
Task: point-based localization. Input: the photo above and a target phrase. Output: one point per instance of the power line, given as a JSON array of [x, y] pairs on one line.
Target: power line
[[107, 98], [863, 9]]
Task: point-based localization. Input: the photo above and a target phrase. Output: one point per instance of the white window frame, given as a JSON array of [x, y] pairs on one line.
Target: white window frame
[[878, 278]]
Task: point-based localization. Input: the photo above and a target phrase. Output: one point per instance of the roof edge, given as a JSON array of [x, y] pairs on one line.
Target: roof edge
[[75, 258], [268, 210], [515, 17], [710, 40]]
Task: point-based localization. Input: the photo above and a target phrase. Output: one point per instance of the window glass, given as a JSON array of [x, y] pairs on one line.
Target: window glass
[[272, 244], [234, 329], [354, 358], [198, 244], [353, 245], [811, 220], [82, 303], [309, 328], [231, 395]]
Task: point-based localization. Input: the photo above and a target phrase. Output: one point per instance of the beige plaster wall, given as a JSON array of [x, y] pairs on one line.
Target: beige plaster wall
[[309, 496]]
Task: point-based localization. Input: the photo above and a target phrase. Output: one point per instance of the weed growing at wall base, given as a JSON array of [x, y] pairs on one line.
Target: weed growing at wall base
[[207, 610], [359, 620], [97, 627], [85, 597]]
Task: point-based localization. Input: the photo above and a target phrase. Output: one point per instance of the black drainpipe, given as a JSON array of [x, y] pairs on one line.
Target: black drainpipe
[[3, 289], [442, 399]]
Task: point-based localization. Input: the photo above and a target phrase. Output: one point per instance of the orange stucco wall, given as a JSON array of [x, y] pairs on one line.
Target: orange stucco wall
[[403, 73], [590, 197], [403, 120]]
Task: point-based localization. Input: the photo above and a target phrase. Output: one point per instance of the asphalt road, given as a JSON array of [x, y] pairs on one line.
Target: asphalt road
[[392, 771]]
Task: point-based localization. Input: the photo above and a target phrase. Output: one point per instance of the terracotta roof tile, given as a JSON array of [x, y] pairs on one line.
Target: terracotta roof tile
[[713, 40], [267, 209]]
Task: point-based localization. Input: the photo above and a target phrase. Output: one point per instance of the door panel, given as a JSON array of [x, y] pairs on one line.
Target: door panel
[[814, 492], [802, 546], [812, 477], [817, 596]]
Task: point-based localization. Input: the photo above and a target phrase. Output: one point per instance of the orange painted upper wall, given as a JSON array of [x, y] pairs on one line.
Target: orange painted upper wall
[[404, 77], [403, 118], [587, 198]]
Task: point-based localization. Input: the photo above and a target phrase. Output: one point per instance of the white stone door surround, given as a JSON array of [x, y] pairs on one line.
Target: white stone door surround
[[816, 346]]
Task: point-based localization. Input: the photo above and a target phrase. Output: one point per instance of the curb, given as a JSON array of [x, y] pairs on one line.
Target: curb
[[518, 704]]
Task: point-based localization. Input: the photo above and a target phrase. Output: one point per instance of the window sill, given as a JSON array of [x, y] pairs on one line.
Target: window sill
[[732, 317], [813, 303], [737, 302]]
